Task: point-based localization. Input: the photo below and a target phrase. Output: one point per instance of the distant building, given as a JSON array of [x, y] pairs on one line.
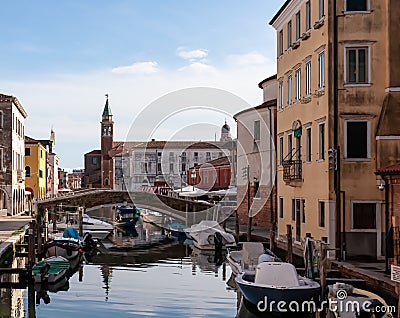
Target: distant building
[[99, 166], [212, 175], [225, 133], [149, 163], [75, 179], [12, 155], [52, 164], [62, 179], [256, 159], [35, 167]]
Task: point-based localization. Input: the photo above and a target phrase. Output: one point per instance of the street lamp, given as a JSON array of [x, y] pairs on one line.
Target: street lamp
[[193, 175]]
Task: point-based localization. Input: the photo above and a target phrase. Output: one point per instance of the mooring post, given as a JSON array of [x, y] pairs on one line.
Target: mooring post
[[39, 232], [272, 238], [31, 244], [46, 225], [186, 213], [237, 233], [322, 269], [289, 243], [396, 252], [54, 220], [31, 301], [80, 217]]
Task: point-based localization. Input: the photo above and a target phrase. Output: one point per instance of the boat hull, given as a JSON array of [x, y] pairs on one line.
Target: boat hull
[[267, 298], [57, 268]]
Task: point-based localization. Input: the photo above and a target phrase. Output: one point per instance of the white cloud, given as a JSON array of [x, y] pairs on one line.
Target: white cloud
[[192, 55], [251, 58], [137, 68], [198, 68]]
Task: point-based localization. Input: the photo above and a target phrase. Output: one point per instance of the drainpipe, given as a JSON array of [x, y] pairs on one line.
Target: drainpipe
[[386, 180], [335, 134]]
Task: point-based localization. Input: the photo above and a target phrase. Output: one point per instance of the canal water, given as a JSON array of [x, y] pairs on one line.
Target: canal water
[[138, 274]]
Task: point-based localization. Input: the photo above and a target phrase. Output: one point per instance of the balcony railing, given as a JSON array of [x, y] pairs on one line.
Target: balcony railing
[[292, 170]]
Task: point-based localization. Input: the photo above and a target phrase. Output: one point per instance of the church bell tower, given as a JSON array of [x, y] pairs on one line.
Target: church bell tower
[[107, 141]]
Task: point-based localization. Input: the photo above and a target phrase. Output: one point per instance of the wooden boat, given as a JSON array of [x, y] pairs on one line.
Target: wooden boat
[[248, 257], [209, 235], [51, 270], [276, 282], [126, 216], [152, 217], [177, 230], [66, 247]]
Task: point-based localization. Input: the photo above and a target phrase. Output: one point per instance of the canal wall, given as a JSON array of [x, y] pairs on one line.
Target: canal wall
[[7, 247]]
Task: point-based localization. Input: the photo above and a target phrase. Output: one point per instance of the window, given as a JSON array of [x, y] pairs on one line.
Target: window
[[321, 9], [321, 70], [281, 95], [257, 130], [298, 82], [94, 160], [40, 173], [298, 26], [281, 150], [280, 43], [1, 119], [41, 153], [303, 210], [357, 65], [27, 152], [196, 156], [27, 171], [321, 214], [281, 208], [171, 168], [364, 216], [257, 189], [289, 89], [171, 156], [308, 144], [308, 16], [183, 168], [183, 157], [220, 154], [321, 141], [293, 209], [159, 168], [308, 78], [357, 144], [290, 147], [208, 156], [356, 5], [144, 167], [289, 34]]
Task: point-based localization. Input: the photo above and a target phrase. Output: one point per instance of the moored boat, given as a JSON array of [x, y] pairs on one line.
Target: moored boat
[[99, 229], [152, 217], [51, 270], [126, 216], [248, 257], [209, 235], [274, 283]]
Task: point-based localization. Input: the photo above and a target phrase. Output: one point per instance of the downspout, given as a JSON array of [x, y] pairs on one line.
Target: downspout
[[386, 180], [335, 134]]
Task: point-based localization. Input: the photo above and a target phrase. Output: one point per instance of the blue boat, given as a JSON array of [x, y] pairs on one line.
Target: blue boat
[[126, 216], [178, 230]]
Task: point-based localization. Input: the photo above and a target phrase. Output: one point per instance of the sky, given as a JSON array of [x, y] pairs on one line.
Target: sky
[[60, 58]]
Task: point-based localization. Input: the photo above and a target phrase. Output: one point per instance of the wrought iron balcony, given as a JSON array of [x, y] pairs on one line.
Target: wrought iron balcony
[[292, 170]]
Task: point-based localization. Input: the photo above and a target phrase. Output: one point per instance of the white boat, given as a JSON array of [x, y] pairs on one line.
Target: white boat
[[51, 270], [247, 258], [152, 217], [207, 235], [99, 229], [353, 302], [275, 282]]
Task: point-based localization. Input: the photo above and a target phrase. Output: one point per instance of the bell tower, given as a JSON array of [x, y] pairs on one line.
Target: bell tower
[[107, 141]]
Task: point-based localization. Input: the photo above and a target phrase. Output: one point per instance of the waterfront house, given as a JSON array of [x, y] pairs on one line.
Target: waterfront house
[[337, 63], [35, 167]]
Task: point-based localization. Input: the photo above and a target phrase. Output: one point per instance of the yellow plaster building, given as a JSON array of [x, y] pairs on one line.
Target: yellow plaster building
[[35, 167], [336, 87]]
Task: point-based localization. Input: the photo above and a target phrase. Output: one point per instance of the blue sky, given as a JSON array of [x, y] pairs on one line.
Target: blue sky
[[60, 58]]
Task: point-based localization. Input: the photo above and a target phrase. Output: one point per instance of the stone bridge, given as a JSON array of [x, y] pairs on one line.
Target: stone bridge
[[190, 212]]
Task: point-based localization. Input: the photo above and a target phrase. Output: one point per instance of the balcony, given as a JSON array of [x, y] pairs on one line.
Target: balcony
[[292, 170]]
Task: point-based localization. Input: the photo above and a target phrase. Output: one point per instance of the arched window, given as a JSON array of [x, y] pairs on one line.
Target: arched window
[[27, 171], [106, 182]]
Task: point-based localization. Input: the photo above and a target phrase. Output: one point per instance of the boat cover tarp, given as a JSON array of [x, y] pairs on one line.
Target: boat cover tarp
[[71, 232]]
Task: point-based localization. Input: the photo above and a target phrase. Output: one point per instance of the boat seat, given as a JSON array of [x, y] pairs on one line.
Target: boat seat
[[277, 274], [251, 252]]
